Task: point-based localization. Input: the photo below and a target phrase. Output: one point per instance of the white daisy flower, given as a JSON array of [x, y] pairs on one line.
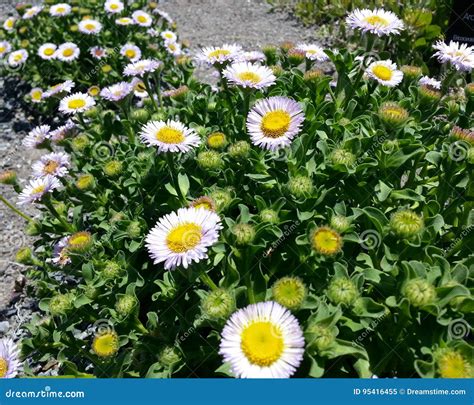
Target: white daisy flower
[[152, 32], [47, 51], [37, 189], [131, 52], [262, 340], [64, 87], [76, 103], [9, 358], [164, 15], [32, 12], [67, 52], [428, 81], [385, 72], [52, 164], [183, 237], [97, 52], [113, 6], [169, 36], [169, 136], [60, 10], [5, 47], [36, 136], [36, 95], [141, 67], [17, 58], [313, 52], [378, 21], [141, 18], [225, 53], [252, 56], [250, 75], [9, 24], [90, 27], [124, 21], [60, 253], [173, 48], [117, 91], [58, 134], [461, 56], [139, 89], [273, 122]]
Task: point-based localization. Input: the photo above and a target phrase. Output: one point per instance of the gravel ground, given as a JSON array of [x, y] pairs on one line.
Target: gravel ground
[[250, 23]]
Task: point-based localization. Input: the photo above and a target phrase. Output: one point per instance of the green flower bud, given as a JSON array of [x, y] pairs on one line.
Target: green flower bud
[[300, 186], [285, 46], [218, 304], [209, 160], [85, 182], [33, 228], [411, 72], [61, 304], [342, 291], [169, 356], [204, 202], [216, 140], [113, 168], [429, 95], [289, 292], [134, 229], [159, 116], [24, 255], [60, 208], [244, 234], [313, 76], [406, 223], [80, 242], [91, 112], [341, 156], [141, 115], [270, 52], [90, 291], [270, 216], [469, 90], [340, 223], [392, 115], [419, 292], [111, 270], [239, 150], [222, 198], [470, 155], [296, 56], [126, 304], [277, 70], [453, 109], [211, 106], [319, 337], [80, 142], [8, 177]]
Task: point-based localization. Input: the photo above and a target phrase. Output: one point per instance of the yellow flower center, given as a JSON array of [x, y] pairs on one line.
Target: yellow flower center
[[172, 47], [218, 53], [89, 26], [130, 53], [50, 167], [262, 343], [394, 112], [68, 52], [39, 189], [76, 103], [216, 140], [93, 91], [18, 57], [36, 95], [79, 240], [275, 123], [382, 72], [114, 6], [168, 35], [60, 10], [105, 345], [2, 49], [326, 241], [142, 19], [140, 86], [377, 21], [3, 367], [184, 237], [10, 23], [453, 365], [249, 77], [204, 205], [170, 135], [48, 51], [124, 20]]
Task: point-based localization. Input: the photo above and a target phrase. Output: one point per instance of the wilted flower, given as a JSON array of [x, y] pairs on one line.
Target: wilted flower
[[97, 52], [8, 177], [452, 364], [430, 82], [463, 134], [203, 202], [61, 257]]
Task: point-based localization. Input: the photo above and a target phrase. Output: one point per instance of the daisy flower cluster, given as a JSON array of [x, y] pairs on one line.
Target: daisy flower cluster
[[306, 195]]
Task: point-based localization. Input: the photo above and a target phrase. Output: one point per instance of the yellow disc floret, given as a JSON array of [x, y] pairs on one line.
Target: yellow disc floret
[[184, 237], [262, 343]]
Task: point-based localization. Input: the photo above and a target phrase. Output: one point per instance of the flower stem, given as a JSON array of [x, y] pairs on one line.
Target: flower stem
[[15, 210], [69, 227], [174, 178], [150, 93], [208, 281]]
